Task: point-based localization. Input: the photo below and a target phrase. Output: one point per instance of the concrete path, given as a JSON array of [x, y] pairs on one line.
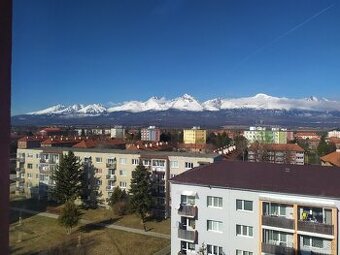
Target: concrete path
[[110, 226]]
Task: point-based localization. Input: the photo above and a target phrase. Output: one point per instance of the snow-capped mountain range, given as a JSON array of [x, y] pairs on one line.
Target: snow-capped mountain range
[[189, 103]]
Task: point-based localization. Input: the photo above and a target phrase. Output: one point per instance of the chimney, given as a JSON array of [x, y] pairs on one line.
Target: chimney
[[150, 144], [146, 145]]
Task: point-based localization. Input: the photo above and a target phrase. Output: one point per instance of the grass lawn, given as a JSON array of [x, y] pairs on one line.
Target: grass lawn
[[41, 234], [95, 215], [130, 220]]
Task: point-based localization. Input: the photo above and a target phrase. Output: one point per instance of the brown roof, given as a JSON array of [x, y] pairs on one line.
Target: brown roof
[[280, 178], [85, 144], [332, 158], [278, 147]]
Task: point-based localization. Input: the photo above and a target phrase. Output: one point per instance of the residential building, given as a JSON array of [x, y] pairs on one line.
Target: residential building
[[235, 207], [334, 133], [264, 135], [196, 135], [311, 135], [29, 142], [276, 153], [331, 159], [118, 132], [111, 167], [50, 131], [151, 134]]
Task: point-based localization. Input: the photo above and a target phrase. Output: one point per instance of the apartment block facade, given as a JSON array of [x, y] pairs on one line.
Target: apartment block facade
[[118, 132], [109, 168], [194, 136], [151, 133], [264, 135], [248, 208], [276, 153]]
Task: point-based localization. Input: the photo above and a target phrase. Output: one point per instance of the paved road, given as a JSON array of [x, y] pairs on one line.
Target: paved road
[[110, 226]]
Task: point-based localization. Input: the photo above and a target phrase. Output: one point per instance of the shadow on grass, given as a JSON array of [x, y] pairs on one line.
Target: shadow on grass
[[99, 225], [73, 246], [34, 205]]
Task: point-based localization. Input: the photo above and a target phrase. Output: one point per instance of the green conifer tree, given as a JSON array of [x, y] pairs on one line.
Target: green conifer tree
[[68, 179], [140, 191]]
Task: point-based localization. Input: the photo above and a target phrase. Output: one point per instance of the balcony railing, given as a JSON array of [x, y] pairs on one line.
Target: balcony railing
[[20, 170], [276, 221], [110, 188], [188, 210], [21, 159], [315, 227], [111, 165], [277, 249], [111, 177], [190, 235], [48, 161]]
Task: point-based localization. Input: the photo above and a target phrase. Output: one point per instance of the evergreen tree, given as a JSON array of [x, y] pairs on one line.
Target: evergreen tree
[[70, 216], [140, 191], [68, 178], [118, 201]]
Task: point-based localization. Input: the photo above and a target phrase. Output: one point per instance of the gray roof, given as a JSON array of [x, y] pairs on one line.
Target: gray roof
[[311, 180]]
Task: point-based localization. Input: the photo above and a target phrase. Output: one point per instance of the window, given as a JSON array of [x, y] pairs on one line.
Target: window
[[146, 162], [122, 184], [274, 209], [215, 202], [174, 164], [135, 161], [99, 160], [242, 230], [244, 205], [189, 165], [313, 242], [215, 226], [240, 252], [187, 200], [29, 166], [123, 161], [215, 250], [187, 246], [122, 172], [98, 171], [37, 176], [158, 163], [29, 175], [29, 155]]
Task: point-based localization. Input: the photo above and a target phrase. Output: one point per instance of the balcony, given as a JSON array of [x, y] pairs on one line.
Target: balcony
[[21, 159], [188, 210], [20, 170], [315, 227], [190, 235], [20, 188], [110, 188], [48, 161], [277, 249], [276, 221], [111, 177], [111, 165]]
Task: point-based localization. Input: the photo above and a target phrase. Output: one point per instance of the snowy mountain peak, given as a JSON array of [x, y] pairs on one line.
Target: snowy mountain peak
[[189, 103]]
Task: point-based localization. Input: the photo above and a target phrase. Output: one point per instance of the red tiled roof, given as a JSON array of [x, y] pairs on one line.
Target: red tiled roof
[[332, 158], [278, 147], [280, 178], [85, 144]]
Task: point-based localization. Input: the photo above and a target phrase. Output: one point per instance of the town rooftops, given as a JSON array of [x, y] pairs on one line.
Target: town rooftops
[[277, 147], [333, 158], [278, 178]]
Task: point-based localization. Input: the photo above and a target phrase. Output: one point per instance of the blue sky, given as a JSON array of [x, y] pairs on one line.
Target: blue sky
[[103, 51]]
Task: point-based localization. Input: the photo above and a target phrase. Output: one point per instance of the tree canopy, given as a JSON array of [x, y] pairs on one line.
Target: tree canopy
[[68, 178]]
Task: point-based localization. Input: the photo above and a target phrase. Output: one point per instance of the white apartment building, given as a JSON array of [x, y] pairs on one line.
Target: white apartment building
[[334, 133], [244, 208], [118, 132], [108, 168]]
